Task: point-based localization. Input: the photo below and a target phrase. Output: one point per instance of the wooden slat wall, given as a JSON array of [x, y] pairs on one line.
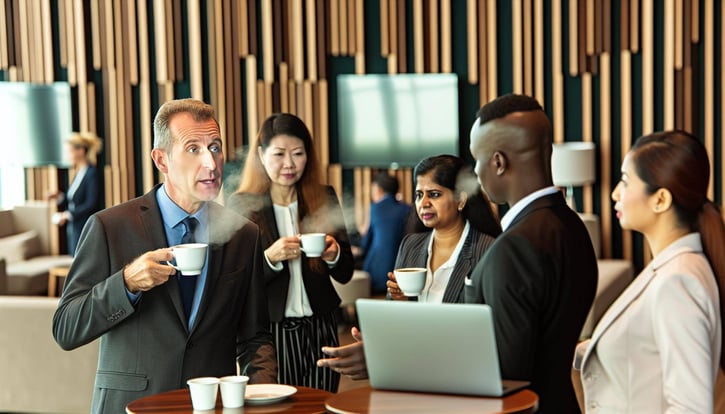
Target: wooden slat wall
[[264, 56]]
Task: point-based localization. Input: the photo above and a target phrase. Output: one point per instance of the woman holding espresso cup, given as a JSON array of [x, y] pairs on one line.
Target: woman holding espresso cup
[[281, 192], [453, 228]]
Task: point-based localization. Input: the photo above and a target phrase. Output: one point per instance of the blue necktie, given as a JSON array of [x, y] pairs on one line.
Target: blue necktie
[[188, 283]]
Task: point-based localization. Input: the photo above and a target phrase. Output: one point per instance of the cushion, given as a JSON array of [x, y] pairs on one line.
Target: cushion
[[3, 278], [19, 247]]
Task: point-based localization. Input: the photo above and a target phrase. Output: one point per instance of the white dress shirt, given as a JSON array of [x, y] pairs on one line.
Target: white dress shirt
[[436, 282], [523, 203]]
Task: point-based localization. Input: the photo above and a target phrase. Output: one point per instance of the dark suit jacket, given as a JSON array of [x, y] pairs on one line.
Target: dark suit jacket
[[85, 201], [320, 291], [147, 348], [382, 240], [539, 278], [414, 253]]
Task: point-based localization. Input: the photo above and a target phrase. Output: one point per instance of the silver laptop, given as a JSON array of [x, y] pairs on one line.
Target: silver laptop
[[427, 347]]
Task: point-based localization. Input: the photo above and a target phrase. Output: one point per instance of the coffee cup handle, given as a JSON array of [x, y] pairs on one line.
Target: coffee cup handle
[[173, 265]]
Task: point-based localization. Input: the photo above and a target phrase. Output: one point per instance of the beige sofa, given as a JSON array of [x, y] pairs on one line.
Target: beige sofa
[[26, 245], [36, 375]]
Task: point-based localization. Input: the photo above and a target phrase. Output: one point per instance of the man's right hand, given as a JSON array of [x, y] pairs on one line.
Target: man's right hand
[[147, 271]]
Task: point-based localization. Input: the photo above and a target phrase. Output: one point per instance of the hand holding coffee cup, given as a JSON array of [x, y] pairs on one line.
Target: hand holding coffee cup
[[313, 244], [189, 258], [411, 280]]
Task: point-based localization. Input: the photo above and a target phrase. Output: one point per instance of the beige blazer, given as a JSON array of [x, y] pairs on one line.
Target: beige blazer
[[657, 348]]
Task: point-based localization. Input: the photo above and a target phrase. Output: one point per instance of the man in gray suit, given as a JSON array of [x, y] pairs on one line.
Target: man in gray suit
[[159, 328], [540, 275]]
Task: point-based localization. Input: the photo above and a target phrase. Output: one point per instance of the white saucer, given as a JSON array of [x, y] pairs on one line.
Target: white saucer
[[258, 394]]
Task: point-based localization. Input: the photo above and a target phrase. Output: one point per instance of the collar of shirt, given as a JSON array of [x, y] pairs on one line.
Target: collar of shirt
[[172, 215], [521, 205], [451, 262], [77, 181]]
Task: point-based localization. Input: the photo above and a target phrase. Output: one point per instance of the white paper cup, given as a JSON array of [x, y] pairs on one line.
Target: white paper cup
[[232, 388], [411, 280], [189, 258], [313, 244], [203, 392]]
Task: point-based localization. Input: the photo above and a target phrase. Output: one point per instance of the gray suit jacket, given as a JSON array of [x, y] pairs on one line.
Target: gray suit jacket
[[147, 348], [413, 252]]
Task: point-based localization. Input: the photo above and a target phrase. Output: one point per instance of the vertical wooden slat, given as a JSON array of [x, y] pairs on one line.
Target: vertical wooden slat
[[624, 24], [678, 18], [688, 86], [573, 38], [292, 94], [24, 37], [607, 26], [253, 32], [311, 40], [491, 49], [298, 71], [401, 49], [647, 67], [669, 64], [393, 28], [481, 53], [625, 140], [527, 22], [162, 69], [267, 40], [582, 34], [418, 44], [557, 69], [176, 38], [170, 43], [195, 62], [335, 26], [283, 92], [144, 92], [228, 54], [695, 21], [279, 39], [91, 91], [722, 114], [251, 88], [323, 37], [47, 42], [359, 37], [538, 62], [261, 113], [605, 150], [709, 92], [384, 27], [133, 42], [38, 69], [352, 27], [242, 10], [323, 131], [95, 34], [80, 37], [237, 139], [517, 45], [3, 37], [433, 34], [587, 129], [446, 38], [342, 24], [334, 178], [634, 19]]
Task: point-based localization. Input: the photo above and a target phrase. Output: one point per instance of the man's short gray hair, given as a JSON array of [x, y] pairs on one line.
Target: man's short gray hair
[[199, 110]]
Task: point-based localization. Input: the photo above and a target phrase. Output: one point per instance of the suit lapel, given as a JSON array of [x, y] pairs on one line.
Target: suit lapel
[[154, 228], [461, 269]]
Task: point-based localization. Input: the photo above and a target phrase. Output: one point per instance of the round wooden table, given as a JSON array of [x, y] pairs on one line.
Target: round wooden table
[[304, 401], [368, 400]]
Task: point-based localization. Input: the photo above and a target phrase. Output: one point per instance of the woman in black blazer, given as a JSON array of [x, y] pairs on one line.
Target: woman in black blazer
[[452, 227], [281, 192], [83, 195]]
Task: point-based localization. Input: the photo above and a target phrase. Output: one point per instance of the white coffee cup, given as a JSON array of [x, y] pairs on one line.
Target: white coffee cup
[[189, 258], [203, 392], [232, 388], [313, 244], [411, 280]]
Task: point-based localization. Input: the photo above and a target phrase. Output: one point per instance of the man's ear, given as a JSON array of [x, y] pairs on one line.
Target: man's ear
[[499, 159], [160, 160]]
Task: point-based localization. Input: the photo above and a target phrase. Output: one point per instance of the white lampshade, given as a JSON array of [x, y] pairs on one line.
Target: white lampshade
[[573, 164]]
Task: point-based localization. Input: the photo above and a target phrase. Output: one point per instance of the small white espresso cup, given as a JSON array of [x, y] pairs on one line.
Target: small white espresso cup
[[313, 244], [411, 280], [189, 258], [203, 392], [232, 388]]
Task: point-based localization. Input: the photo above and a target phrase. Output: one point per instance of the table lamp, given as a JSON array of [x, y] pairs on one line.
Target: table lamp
[[573, 164]]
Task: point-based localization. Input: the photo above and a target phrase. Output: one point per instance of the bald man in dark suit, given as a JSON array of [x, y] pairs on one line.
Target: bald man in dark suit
[[540, 275], [121, 289]]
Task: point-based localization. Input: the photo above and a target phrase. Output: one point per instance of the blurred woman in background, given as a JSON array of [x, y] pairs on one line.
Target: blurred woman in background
[[83, 196], [281, 192]]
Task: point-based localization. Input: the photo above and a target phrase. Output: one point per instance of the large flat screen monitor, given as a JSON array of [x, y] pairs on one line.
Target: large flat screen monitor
[[396, 120]]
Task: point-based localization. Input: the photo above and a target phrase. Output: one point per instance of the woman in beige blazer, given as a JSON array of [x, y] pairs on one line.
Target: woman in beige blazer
[[658, 347]]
